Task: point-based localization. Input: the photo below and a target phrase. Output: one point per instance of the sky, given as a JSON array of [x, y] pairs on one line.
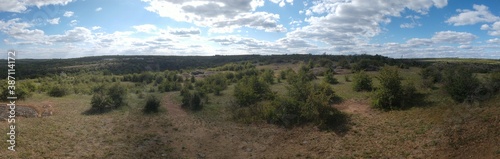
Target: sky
[[46, 29]]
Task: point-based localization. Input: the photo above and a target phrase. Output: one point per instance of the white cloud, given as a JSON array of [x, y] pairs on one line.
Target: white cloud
[[259, 20], [282, 3], [453, 37], [96, 27], [413, 22], [185, 32], [68, 13], [480, 14], [77, 34], [219, 15], [494, 41], [53, 21], [22, 32], [493, 30], [19, 6], [73, 23], [342, 23], [98, 9], [146, 28]]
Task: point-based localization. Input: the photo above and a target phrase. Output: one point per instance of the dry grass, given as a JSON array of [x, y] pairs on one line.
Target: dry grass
[[125, 133], [443, 129]]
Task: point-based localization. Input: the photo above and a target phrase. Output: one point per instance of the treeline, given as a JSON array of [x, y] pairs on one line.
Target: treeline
[[119, 65]]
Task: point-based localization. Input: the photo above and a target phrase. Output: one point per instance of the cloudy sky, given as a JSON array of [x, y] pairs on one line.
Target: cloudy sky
[[394, 28]]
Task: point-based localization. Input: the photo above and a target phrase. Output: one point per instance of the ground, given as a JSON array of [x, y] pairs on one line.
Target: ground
[[438, 130]]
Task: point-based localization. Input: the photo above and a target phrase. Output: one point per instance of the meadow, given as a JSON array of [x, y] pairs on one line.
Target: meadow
[[260, 107]]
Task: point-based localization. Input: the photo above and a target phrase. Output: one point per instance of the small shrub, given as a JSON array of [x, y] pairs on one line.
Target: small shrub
[[191, 101], [105, 98], [58, 91], [460, 83], [251, 90], [361, 81], [152, 104], [117, 94], [330, 79], [347, 79]]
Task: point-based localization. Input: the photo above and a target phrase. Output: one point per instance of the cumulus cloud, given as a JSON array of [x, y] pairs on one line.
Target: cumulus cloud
[[282, 3], [259, 20], [19, 6], [53, 21], [494, 41], [98, 9], [453, 37], [145, 28], [77, 34], [185, 31], [96, 27], [68, 13], [480, 14], [493, 30], [343, 23], [22, 32], [73, 23], [219, 15]]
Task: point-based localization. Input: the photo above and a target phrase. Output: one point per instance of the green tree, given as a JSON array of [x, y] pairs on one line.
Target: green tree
[[389, 95], [361, 81], [460, 83]]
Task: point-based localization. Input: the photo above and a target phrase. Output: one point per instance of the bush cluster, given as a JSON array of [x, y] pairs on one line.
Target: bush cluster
[[191, 100], [108, 97], [392, 94], [251, 90], [361, 82]]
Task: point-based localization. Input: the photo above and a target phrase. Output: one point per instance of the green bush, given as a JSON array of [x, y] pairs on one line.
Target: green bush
[[267, 76], [251, 90], [108, 97], [389, 95], [117, 94], [330, 79], [58, 91], [152, 104], [191, 101], [315, 107], [460, 83], [361, 81]]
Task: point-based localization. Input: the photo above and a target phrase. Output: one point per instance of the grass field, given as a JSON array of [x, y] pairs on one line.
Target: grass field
[[439, 129]]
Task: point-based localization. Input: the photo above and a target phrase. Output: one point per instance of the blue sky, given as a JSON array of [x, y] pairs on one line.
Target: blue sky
[[394, 28]]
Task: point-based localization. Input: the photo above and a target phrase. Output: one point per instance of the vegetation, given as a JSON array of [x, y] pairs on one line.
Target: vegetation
[[58, 91], [152, 104], [106, 98], [330, 79], [251, 90], [255, 90], [361, 81], [392, 94], [460, 83]]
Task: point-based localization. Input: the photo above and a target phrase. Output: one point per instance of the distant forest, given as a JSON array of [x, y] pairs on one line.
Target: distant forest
[[119, 65]]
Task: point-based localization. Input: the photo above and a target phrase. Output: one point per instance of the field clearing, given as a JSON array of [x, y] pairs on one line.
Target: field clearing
[[441, 128]]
